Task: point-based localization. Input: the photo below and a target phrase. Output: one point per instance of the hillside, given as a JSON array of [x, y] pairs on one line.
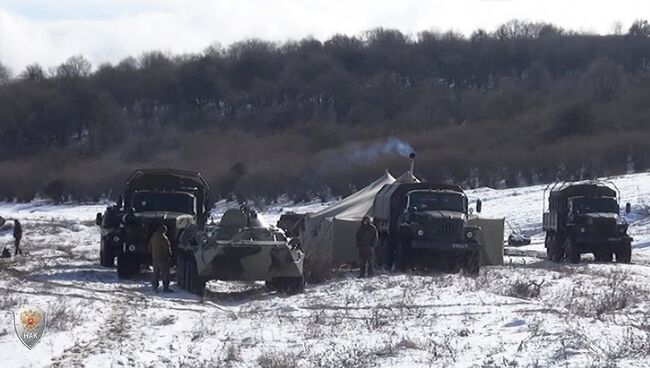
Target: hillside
[[522, 104], [528, 313]]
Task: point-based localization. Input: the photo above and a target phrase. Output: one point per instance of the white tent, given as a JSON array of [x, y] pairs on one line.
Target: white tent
[[330, 233]]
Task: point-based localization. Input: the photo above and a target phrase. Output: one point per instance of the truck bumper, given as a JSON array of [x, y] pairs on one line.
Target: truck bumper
[[445, 246]]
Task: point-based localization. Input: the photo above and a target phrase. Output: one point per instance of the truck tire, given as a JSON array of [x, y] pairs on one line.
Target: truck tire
[[195, 284], [624, 253], [404, 255], [106, 257], [180, 269], [603, 256], [288, 285], [553, 251], [127, 267], [571, 251], [472, 263]]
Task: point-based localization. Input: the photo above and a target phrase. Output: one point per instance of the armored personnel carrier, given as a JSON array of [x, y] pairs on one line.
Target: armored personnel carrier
[[425, 224], [239, 247], [152, 198], [584, 218]]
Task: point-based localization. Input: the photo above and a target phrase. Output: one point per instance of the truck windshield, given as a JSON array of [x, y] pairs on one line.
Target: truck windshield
[[437, 201], [594, 205], [164, 201]]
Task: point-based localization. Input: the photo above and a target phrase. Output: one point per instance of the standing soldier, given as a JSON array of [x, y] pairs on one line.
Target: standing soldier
[[160, 250], [18, 235], [367, 238]]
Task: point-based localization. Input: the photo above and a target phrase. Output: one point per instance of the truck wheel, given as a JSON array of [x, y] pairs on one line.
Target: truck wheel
[[289, 285], [473, 263], [194, 282], [572, 253], [180, 269], [603, 256], [624, 253], [127, 267], [404, 255], [553, 251], [106, 257]]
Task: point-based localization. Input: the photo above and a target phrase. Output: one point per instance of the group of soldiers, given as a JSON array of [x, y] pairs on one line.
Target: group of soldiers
[[18, 236]]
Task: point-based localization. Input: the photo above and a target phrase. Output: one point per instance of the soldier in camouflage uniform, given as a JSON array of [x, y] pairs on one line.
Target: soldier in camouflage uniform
[[367, 238], [160, 250]]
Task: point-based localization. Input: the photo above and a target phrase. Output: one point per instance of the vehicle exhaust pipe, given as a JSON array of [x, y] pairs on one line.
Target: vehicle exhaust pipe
[[412, 157]]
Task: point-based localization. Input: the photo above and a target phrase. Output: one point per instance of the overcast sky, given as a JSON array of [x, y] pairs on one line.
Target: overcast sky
[[49, 31]]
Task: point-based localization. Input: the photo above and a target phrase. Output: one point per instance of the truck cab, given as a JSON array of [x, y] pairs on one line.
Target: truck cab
[[422, 224]]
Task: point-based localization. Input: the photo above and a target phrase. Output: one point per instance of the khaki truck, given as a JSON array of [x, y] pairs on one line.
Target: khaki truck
[[152, 198], [585, 218]]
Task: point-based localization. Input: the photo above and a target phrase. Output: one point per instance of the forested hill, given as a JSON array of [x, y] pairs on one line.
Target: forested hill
[[528, 102]]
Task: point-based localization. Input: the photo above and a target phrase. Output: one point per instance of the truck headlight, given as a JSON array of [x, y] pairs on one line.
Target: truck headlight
[[131, 248], [583, 230], [469, 234], [420, 232]]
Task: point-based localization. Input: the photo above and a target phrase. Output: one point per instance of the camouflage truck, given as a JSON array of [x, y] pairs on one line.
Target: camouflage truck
[[152, 198], [239, 247], [584, 218], [425, 224]]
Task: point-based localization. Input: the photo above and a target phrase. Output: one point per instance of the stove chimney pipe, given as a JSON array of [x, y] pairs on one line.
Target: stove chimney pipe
[[412, 157]]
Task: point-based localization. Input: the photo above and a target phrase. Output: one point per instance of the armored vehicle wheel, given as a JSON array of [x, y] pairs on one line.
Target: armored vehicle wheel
[[553, 251], [603, 256], [288, 285], [572, 252], [127, 267], [624, 253], [106, 258], [195, 284], [472, 263]]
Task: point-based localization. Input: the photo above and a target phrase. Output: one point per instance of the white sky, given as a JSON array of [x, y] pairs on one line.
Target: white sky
[[48, 32]]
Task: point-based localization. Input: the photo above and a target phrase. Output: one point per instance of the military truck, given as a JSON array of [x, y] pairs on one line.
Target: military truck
[[584, 218], [240, 248], [152, 198], [425, 224]]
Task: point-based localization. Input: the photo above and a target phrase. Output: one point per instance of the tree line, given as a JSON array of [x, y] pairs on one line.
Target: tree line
[[527, 102]]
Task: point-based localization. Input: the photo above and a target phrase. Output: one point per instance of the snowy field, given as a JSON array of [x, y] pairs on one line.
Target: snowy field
[[528, 313]]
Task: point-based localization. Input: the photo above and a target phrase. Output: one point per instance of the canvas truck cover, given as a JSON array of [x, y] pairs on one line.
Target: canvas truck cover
[[168, 180]]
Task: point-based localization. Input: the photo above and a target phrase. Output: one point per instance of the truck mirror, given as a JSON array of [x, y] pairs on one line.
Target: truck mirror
[[479, 205], [628, 207], [2, 221], [98, 219]]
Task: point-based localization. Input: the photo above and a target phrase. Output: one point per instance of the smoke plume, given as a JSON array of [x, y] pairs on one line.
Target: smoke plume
[[391, 145]]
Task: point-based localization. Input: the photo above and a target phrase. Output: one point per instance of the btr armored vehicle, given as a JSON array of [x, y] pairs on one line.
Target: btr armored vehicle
[[584, 218], [239, 247], [152, 198], [425, 224]]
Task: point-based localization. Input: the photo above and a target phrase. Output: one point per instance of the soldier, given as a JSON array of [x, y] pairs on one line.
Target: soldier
[[367, 238], [160, 250], [18, 235]]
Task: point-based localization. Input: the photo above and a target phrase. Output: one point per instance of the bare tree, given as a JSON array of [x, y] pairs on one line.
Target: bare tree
[[5, 75]]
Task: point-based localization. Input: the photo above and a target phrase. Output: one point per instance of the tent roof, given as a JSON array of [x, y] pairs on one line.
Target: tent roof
[[356, 205], [407, 177]]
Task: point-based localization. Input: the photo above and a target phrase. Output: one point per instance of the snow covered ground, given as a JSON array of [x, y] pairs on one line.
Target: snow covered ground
[[527, 313]]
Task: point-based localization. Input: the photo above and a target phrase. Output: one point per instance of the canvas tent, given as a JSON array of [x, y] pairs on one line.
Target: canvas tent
[[338, 223]]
